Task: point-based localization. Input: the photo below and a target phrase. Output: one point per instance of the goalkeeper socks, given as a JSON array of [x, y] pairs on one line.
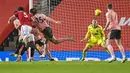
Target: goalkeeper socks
[[84, 54]]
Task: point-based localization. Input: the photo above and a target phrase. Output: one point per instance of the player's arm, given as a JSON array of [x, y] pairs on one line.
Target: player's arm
[[108, 21], [17, 24], [52, 20], [87, 35], [33, 21], [11, 19]]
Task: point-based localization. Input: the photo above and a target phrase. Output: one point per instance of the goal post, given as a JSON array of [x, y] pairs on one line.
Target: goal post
[[30, 4]]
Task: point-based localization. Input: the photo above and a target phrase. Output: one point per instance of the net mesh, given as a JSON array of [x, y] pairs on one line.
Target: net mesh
[[42, 6], [76, 15]]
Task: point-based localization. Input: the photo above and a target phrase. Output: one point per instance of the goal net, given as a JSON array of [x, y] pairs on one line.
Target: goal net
[[75, 16]]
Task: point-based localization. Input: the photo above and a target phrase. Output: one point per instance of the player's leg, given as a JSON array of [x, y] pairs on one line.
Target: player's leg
[[28, 47], [110, 38], [121, 48], [84, 53], [31, 49], [17, 50], [32, 45], [16, 23], [118, 42], [42, 51], [48, 52], [60, 40], [102, 43], [25, 47], [90, 44], [21, 52], [18, 42], [39, 46], [19, 45], [49, 35], [25, 38], [110, 48]]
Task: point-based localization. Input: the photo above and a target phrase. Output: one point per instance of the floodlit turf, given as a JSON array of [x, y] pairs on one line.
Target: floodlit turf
[[64, 67]]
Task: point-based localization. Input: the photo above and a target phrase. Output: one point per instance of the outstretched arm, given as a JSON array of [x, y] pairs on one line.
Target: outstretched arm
[[87, 35], [52, 20], [108, 21], [17, 24], [11, 19]]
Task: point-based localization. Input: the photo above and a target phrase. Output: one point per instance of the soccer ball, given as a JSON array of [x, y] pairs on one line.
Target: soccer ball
[[97, 12]]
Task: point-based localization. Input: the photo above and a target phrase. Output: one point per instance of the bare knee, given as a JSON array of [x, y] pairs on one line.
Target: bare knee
[[119, 44], [85, 49]]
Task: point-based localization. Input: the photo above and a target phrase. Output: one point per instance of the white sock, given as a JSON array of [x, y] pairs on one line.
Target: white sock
[[124, 56], [113, 57]]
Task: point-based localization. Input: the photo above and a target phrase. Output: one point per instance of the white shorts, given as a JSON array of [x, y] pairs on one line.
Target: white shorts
[[30, 36], [26, 32]]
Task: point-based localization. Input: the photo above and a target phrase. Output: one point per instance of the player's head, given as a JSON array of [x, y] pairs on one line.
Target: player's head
[[109, 6], [94, 23], [15, 11], [20, 8], [33, 11]]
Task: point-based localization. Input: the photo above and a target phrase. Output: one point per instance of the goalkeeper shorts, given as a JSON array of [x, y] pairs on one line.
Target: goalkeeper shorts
[[93, 42]]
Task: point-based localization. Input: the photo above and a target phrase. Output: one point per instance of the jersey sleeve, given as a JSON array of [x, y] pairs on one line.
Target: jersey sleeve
[[88, 33]]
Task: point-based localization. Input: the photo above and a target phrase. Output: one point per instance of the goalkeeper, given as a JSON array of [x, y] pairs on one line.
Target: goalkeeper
[[97, 36]]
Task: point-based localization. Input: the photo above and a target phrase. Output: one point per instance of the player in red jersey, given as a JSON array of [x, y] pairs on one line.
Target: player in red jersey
[[26, 28], [17, 25]]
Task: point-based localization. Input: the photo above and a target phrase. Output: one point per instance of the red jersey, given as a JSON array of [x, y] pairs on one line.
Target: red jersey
[[24, 17], [30, 16]]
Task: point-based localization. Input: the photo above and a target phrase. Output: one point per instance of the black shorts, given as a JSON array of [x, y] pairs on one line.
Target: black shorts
[[47, 32], [115, 34], [39, 42]]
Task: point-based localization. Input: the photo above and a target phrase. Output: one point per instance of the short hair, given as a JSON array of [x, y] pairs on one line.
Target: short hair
[[94, 20], [109, 6], [33, 11], [20, 8], [15, 11]]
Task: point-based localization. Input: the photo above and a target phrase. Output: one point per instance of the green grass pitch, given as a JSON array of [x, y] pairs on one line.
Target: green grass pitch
[[64, 67]]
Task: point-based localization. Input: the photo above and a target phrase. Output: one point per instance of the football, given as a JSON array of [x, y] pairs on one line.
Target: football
[[97, 12]]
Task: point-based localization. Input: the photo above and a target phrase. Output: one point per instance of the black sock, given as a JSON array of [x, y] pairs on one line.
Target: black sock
[[19, 46], [23, 50]]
